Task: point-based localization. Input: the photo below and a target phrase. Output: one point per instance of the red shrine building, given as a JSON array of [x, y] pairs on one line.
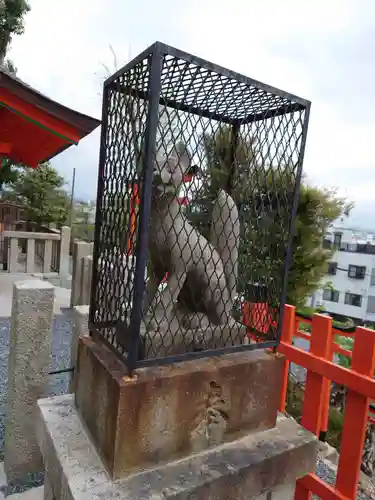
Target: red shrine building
[[34, 128]]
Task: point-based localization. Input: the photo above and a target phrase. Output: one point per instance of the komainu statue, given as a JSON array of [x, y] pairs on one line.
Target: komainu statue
[[201, 274]]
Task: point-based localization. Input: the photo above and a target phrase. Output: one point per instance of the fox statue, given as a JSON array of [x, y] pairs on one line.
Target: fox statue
[[194, 264]]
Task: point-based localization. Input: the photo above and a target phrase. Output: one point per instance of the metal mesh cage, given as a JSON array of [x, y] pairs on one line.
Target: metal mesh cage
[[197, 193]]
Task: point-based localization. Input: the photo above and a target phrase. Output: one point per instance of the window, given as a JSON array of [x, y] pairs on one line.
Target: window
[[332, 268], [337, 239], [371, 305], [331, 295], [357, 272], [372, 279], [352, 299], [370, 248], [361, 248]]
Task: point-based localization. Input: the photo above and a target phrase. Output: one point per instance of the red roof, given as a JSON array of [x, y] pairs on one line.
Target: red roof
[[34, 128]]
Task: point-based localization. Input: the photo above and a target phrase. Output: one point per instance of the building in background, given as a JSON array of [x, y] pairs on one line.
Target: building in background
[[348, 289]]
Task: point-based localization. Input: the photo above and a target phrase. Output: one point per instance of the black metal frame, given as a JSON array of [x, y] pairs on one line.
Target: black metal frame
[[154, 55]]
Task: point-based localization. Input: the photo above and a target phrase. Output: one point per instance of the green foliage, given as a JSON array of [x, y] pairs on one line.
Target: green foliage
[[264, 238], [10, 66], [294, 407], [82, 228], [317, 210], [8, 173], [348, 344], [41, 195], [83, 231], [220, 149], [335, 426], [12, 14]]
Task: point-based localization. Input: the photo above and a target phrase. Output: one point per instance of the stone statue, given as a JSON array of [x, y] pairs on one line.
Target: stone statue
[[195, 266]]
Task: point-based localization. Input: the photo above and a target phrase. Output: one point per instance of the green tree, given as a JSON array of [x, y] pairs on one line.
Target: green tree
[[41, 195], [317, 209], [12, 14], [264, 204], [8, 173]]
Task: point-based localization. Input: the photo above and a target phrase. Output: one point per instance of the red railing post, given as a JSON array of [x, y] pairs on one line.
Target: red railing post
[[326, 399], [356, 414], [321, 340], [287, 331]]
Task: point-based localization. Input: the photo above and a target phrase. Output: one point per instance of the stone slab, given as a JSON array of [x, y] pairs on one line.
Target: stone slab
[[258, 466], [170, 411]]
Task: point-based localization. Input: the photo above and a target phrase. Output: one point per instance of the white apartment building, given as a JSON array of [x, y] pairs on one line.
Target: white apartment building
[[348, 289]]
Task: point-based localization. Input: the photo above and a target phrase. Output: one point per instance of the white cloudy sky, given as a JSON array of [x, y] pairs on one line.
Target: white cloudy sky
[[321, 50]]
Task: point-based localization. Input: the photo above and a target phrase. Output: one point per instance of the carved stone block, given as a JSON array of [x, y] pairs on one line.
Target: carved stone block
[[168, 412]]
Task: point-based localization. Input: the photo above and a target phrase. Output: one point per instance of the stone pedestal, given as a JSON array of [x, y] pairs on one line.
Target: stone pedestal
[[202, 429], [260, 466], [171, 411]]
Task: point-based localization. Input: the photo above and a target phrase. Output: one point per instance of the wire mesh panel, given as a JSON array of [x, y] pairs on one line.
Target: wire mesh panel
[[198, 188]]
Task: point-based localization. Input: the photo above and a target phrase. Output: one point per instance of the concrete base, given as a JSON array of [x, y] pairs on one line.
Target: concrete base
[[260, 466], [168, 412]]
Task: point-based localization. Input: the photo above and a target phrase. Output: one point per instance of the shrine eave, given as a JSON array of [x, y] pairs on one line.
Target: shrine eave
[[35, 127]]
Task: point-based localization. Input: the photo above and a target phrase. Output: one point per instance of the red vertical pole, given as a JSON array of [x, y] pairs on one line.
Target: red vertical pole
[[134, 202], [326, 400], [287, 337], [321, 339], [356, 414]]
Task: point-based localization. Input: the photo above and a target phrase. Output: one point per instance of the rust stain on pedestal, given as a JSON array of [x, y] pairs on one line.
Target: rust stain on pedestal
[[168, 412]]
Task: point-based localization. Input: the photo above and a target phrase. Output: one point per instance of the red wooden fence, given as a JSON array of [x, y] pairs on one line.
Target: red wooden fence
[[321, 371]]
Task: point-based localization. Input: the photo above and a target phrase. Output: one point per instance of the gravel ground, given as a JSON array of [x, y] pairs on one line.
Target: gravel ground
[[328, 475]]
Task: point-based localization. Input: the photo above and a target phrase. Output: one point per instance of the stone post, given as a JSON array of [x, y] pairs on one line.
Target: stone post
[[81, 249], [64, 251], [30, 256], [13, 259], [86, 280], [47, 256], [28, 367], [80, 327]]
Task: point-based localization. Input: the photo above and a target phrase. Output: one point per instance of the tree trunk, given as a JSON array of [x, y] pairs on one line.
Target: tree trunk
[[4, 44]]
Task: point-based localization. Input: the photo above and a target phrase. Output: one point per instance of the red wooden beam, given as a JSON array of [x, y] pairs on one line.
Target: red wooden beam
[[38, 117], [313, 483], [352, 380], [5, 148]]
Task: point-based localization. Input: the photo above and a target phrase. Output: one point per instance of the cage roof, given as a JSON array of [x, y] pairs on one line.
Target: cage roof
[[33, 127], [191, 84]]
